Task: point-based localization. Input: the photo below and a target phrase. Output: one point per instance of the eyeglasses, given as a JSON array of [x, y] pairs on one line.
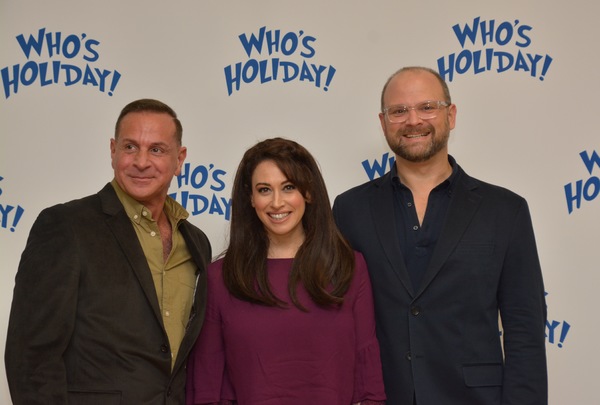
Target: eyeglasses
[[426, 110]]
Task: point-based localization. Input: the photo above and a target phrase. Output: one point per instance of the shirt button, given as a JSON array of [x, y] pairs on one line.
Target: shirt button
[[152, 233], [408, 356], [135, 216], [409, 204], [164, 348], [144, 213], [167, 313]]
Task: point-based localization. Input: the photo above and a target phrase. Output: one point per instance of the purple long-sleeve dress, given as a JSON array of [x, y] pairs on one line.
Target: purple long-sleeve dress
[[255, 354]]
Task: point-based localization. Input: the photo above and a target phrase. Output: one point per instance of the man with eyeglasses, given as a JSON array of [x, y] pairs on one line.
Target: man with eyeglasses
[[449, 256]]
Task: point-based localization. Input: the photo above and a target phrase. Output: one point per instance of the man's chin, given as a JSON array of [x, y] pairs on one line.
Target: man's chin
[[138, 191], [414, 155]]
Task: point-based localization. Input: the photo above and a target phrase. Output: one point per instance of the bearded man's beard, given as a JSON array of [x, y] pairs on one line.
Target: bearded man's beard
[[418, 153]]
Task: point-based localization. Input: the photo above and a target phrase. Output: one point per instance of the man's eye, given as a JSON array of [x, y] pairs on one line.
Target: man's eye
[[398, 110], [156, 150], [427, 107]]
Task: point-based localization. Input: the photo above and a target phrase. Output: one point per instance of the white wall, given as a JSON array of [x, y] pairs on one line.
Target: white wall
[[523, 120]]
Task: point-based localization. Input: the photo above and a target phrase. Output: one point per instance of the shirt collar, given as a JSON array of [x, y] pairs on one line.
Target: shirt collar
[[447, 184], [136, 211]]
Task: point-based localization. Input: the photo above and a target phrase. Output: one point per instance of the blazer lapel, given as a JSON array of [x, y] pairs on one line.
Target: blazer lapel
[[200, 257], [460, 213], [384, 219], [198, 307], [120, 225]]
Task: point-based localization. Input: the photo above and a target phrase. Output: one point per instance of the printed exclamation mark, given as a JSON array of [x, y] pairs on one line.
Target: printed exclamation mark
[[113, 84], [547, 62], [563, 333], [330, 74], [17, 218]]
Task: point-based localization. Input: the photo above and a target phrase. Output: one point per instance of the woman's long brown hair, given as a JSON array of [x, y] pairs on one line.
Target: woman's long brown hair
[[324, 264]]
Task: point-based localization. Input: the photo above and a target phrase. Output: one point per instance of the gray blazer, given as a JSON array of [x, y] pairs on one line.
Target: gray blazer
[[442, 341], [85, 325]]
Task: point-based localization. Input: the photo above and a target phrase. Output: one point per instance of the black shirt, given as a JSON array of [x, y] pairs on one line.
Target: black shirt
[[417, 242]]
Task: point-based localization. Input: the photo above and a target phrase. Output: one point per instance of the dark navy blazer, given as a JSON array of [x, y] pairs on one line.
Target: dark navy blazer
[[442, 342]]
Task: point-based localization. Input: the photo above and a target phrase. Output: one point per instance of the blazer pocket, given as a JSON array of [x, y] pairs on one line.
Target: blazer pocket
[[94, 397], [483, 375], [475, 249]]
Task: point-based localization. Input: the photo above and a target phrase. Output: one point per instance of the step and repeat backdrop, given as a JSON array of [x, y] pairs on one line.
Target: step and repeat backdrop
[[522, 74]]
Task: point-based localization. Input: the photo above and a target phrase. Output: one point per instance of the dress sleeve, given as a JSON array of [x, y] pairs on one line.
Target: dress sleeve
[[228, 402], [368, 378], [207, 380]]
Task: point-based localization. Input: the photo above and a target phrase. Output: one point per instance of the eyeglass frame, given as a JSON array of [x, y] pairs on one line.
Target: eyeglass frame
[[439, 103]]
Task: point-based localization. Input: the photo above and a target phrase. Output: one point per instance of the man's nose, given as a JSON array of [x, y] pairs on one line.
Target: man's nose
[[413, 117], [141, 159]]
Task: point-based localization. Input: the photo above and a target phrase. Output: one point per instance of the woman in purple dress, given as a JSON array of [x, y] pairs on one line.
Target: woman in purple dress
[[289, 318]]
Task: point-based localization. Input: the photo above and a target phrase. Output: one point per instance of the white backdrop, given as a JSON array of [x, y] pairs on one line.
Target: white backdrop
[[522, 76]]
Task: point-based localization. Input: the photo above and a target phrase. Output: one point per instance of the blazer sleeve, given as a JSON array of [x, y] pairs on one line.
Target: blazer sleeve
[[43, 311], [523, 315]]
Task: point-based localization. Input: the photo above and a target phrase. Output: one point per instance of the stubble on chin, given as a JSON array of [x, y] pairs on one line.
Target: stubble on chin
[[417, 153]]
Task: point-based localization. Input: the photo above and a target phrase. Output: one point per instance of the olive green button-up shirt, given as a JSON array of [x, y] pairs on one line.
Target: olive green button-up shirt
[[175, 278]]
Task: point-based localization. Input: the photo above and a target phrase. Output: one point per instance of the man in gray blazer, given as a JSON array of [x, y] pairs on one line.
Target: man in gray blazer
[[447, 255], [110, 291]]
